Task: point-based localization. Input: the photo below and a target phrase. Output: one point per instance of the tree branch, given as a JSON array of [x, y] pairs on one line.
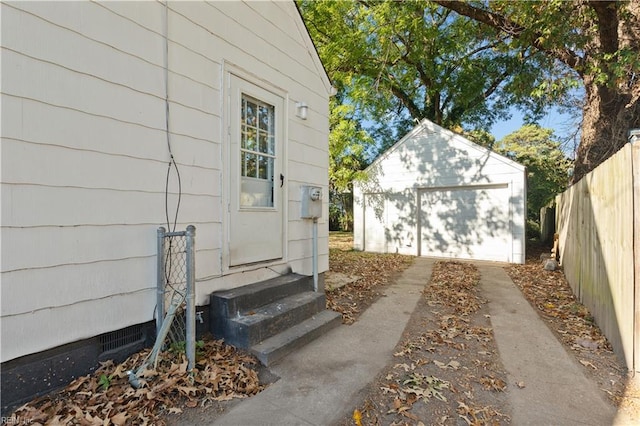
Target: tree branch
[[607, 13], [406, 100], [499, 22]]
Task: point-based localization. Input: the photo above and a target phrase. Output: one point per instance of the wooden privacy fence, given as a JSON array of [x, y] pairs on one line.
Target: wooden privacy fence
[[598, 222]]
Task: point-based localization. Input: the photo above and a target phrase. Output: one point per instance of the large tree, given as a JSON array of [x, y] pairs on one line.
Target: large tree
[[597, 41], [347, 146], [399, 62], [547, 166]]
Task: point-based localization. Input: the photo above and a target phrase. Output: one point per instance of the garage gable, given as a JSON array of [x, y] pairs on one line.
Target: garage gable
[[435, 193]]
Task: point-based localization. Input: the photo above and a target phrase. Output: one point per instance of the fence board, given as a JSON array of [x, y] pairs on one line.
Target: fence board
[[635, 148], [595, 220]]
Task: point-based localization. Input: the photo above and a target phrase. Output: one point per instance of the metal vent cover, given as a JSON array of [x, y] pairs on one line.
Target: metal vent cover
[[119, 339]]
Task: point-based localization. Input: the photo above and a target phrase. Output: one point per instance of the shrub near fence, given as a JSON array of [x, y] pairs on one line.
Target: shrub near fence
[[598, 222]]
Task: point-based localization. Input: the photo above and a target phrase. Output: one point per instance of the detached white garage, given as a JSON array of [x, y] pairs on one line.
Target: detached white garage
[[435, 193]]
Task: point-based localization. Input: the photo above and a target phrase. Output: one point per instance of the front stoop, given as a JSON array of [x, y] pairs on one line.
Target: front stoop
[[271, 318]]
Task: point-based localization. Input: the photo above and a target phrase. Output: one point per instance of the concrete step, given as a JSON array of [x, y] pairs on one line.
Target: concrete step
[[256, 325], [274, 317], [228, 303], [276, 347]]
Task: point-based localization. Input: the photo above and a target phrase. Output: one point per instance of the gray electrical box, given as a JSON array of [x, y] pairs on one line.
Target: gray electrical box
[[311, 202]]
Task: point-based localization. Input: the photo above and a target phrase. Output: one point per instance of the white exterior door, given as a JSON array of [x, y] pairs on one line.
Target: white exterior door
[[467, 222], [256, 132], [375, 222]]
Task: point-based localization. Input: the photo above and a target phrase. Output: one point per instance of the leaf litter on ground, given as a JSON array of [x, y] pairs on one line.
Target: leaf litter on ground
[[450, 333], [446, 329], [372, 272], [106, 398], [222, 372], [445, 369], [551, 295]]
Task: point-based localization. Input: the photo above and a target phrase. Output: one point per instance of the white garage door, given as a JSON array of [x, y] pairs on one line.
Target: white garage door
[[469, 222]]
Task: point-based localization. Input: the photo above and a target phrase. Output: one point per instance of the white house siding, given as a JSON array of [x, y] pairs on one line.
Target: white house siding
[[434, 193], [84, 153]]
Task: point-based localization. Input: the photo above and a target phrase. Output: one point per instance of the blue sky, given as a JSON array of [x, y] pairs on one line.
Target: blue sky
[[554, 120], [564, 125]]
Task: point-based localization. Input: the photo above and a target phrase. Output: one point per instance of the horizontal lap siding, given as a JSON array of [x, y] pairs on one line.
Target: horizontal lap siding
[[96, 22], [88, 283], [58, 86], [308, 159], [260, 38], [90, 57], [251, 42], [50, 247], [84, 166], [31, 205], [51, 327], [85, 156], [79, 130], [91, 266]]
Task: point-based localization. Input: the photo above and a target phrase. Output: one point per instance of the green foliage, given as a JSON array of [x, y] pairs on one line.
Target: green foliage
[[532, 229], [335, 214], [481, 137], [588, 44], [396, 62], [465, 65], [347, 145], [105, 382], [180, 347], [547, 166], [546, 163], [347, 158], [177, 347]]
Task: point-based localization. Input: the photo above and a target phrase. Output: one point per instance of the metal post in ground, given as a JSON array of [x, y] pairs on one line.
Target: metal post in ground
[[190, 346], [161, 281]]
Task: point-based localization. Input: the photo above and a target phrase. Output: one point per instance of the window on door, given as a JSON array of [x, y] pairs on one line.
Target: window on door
[[257, 153]]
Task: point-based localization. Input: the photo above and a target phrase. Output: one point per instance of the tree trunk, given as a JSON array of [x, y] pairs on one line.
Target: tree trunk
[[608, 115], [612, 107], [611, 110]]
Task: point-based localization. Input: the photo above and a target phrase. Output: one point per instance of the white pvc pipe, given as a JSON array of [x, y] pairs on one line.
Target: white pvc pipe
[[315, 254]]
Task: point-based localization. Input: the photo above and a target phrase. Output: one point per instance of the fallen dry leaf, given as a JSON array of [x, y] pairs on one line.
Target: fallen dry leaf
[[493, 383], [85, 402], [588, 364], [436, 360], [119, 419], [550, 293], [373, 272], [453, 322], [357, 417]]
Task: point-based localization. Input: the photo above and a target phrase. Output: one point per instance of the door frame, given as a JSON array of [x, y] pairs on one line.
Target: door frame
[[227, 186]]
